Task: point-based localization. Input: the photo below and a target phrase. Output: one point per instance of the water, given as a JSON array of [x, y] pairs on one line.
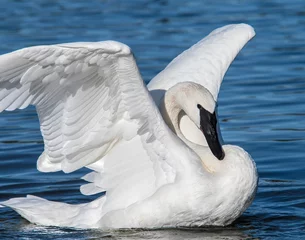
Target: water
[[261, 104]]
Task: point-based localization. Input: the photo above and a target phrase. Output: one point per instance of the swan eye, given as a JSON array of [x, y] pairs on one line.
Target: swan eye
[[199, 106]]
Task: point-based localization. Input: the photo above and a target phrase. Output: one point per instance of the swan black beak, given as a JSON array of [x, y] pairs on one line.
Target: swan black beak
[[208, 125]]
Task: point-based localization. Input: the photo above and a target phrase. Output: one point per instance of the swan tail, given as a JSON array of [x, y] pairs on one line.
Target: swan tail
[[49, 213]]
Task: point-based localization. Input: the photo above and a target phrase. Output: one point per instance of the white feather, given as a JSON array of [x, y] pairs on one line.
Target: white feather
[[206, 62]]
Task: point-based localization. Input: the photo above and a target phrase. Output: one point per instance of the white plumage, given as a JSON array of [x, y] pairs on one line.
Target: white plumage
[[96, 112]]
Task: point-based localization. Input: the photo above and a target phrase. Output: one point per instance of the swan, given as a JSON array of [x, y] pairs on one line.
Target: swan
[[155, 151]]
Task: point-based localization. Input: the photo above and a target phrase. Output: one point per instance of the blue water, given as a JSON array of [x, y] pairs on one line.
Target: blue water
[[261, 103]]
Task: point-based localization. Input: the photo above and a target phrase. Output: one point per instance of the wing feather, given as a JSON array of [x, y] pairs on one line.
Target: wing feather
[[82, 92], [206, 62], [95, 111]]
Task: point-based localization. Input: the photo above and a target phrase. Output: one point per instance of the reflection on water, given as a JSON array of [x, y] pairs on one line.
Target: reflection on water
[[228, 233], [261, 103]]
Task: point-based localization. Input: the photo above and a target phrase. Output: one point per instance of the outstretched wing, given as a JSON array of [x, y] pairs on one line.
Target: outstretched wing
[[90, 98], [95, 111], [205, 62]]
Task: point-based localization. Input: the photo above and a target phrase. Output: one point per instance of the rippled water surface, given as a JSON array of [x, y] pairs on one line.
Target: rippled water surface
[[261, 104]]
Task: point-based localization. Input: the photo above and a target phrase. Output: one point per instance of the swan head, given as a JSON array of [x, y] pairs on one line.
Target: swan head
[[199, 105]]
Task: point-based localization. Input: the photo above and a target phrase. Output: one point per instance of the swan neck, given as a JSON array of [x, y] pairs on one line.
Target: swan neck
[[172, 110], [174, 105]]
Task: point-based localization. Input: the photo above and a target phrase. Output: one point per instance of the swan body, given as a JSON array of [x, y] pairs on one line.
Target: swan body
[[155, 151]]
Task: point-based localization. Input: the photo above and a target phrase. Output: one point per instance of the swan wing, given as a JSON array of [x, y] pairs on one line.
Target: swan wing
[[91, 101], [206, 62]]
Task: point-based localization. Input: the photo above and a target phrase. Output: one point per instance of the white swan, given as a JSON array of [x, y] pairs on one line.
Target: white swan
[[166, 170]]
